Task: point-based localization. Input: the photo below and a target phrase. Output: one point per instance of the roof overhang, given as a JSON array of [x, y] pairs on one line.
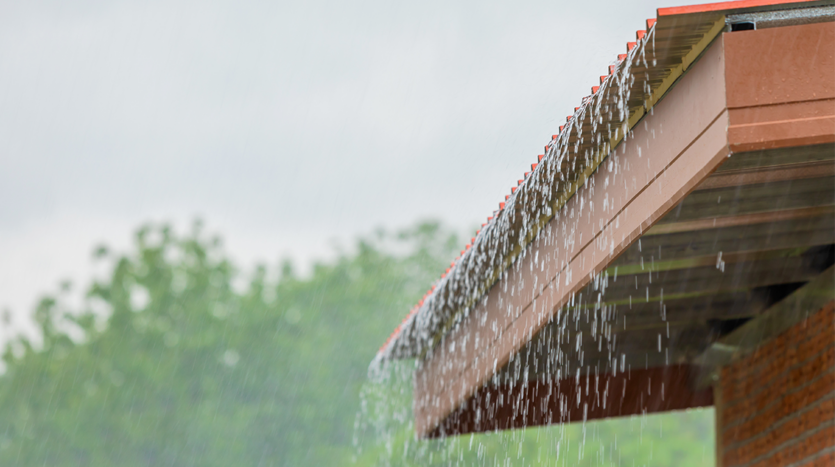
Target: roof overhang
[[571, 258]]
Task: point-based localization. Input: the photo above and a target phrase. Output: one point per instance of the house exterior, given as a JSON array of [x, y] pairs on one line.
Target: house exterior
[[672, 247]]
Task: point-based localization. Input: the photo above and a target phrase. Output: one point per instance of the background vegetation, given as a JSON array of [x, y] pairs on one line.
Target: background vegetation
[[177, 358]]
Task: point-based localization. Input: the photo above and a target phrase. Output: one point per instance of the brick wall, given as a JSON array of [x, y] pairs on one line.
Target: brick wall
[[778, 404]]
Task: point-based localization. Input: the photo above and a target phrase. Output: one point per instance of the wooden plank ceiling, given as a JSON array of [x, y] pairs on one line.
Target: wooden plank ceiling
[[760, 227], [722, 256]]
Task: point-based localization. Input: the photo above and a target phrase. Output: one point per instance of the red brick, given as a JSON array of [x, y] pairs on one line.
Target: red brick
[[827, 460], [758, 400], [776, 435], [799, 451], [804, 338], [765, 392]]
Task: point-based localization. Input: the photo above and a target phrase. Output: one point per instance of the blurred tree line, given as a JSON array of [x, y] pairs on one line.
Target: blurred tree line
[[177, 358]]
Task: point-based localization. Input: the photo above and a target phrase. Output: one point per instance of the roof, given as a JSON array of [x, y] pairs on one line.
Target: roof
[[637, 81]]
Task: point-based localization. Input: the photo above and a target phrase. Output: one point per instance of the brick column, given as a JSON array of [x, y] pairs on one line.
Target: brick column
[[778, 403]]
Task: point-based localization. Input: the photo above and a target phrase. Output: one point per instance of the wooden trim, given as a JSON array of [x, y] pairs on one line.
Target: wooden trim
[[542, 402], [783, 133], [783, 65], [781, 86], [746, 219], [771, 174]]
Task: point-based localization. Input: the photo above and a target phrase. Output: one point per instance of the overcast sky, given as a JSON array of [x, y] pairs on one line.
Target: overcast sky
[[283, 125]]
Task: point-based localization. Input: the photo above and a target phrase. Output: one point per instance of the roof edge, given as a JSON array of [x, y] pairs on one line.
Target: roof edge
[[425, 332], [738, 6]]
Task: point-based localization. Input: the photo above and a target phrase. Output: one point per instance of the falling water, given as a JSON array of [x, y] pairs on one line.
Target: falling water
[[384, 426], [566, 369]]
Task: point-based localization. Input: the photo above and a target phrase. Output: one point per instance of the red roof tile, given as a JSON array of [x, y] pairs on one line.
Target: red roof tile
[[723, 6]]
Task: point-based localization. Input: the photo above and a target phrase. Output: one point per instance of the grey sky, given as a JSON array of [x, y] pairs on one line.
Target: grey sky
[[283, 125]]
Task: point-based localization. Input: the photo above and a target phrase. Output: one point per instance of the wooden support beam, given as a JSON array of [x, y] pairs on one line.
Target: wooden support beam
[[638, 391], [728, 257], [684, 245], [709, 279], [769, 175], [779, 157], [749, 199], [766, 217]]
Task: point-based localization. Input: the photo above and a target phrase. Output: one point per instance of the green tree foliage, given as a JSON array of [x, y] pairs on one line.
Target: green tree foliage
[[177, 358]]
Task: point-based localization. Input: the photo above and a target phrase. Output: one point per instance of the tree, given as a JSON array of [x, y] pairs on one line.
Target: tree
[[183, 368]]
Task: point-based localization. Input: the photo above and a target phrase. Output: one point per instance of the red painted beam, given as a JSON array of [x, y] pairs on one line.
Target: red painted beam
[[540, 402], [723, 6]]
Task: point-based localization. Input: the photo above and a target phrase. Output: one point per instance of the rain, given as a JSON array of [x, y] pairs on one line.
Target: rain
[[477, 234]]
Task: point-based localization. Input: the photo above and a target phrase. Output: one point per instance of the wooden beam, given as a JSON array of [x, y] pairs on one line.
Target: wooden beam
[[802, 233], [778, 87], [728, 257], [709, 279], [639, 391], [769, 175], [749, 199], [741, 220], [779, 157]]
